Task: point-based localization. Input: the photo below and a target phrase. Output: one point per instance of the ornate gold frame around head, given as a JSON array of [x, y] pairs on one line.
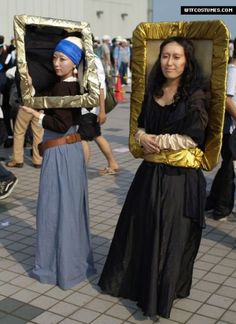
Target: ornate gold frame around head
[[90, 79], [210, 40]]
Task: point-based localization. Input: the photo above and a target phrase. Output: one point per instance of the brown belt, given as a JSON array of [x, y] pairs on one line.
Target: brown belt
[[68, 139]]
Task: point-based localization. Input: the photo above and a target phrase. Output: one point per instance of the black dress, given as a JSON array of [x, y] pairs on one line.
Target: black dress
[[159, 230]]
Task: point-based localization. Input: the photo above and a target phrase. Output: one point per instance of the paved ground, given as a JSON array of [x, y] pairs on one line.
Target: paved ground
[[24, 300]]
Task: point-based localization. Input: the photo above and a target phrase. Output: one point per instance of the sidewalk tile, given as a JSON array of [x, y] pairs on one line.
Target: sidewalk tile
[[85, 315], [22, 281], [8, 290], [9, 319], [59, 293], [27, 312], [70, 321], [44, 302], [215, 277], [188, 305], [39, 287], [230, 282], [233, 306], [198, 319], [227, 271], [199, 295], [220, 301], [78, 299], [63, 308], [25, 295], [228, 263], [198, 274], [104, 319], [211, 258], [120, 312], [9, 305], [218, 252], [202, 265], [99, 305], [211, 311], [7, 275], [179, 315], [229, 317], [167, 321], [207, 286], [227, 292], [48, 318]]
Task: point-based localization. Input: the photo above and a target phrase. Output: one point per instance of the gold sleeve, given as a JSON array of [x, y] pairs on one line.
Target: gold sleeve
[[175, 142]]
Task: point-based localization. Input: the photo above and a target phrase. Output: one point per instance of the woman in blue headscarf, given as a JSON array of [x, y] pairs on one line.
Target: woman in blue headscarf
[[63, 255]]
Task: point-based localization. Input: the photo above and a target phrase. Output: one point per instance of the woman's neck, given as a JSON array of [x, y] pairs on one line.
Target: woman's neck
[[70, 79], [169, 88], [171, 83]]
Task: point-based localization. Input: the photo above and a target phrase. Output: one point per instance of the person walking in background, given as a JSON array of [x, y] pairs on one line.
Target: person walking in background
[[122, 60], [159, 229], [63, 255], [23, 121], [97, 48], [221, 197], [106, 55], [90, 129]]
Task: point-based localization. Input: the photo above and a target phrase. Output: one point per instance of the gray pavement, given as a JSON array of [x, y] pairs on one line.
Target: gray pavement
[[24, 300]]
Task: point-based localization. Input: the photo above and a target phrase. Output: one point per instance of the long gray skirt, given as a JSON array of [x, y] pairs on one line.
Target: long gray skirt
[[63, 255]]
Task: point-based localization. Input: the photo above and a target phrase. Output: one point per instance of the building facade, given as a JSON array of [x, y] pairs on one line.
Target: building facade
[[110, 17]]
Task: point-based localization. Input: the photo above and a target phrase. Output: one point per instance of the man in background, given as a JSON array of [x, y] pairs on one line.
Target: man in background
[[221, 197]]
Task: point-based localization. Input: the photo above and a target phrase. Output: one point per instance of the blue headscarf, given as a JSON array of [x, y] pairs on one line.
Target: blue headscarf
[[72, 48]]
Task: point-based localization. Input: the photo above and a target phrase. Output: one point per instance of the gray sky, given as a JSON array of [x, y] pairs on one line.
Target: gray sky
[[169, 10]]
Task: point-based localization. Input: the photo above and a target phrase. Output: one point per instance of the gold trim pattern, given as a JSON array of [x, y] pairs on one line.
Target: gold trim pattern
[[90, 80], [213, 37]]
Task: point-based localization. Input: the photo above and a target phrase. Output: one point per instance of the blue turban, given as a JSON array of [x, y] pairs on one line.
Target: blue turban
[[71, 48]]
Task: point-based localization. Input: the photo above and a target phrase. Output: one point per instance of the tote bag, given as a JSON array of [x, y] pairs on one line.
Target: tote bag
[[110, 101]]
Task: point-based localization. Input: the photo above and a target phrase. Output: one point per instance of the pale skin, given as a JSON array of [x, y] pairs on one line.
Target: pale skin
[[173, 62]]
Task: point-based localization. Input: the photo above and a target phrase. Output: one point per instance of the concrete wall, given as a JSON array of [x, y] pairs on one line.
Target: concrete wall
[[110, 21], [119, 17]]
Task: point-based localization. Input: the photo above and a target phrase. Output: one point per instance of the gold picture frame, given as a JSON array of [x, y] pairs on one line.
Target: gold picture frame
[[210, 40], [90, 97]]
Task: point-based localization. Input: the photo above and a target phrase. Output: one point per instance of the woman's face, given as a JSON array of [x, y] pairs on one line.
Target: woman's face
[[63, 66], [173, 61]]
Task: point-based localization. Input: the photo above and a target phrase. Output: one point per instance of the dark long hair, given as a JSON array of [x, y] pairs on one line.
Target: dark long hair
[[191, 78]]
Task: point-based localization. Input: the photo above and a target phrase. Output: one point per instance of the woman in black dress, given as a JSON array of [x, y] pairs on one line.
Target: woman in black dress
[[159, 230]]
